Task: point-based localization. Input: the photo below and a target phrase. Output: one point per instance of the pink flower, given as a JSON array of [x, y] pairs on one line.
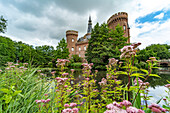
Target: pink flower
[[0, 70], [75, 110], [132, 110], [72, 70], [16, 64], [25, 63], [12, 66], [39, 71], [65, 74], [154, 109], [48, 100], [68, 110], [46, 94], [38, 101], [87, 79], [110, 106], [140, 111], [125, 103], [65, 86], [21, 67], [66, 105], [42, 100], [73, 105], [167, 85]]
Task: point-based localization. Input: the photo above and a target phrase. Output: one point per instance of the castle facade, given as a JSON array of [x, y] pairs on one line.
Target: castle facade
[[79, 45]]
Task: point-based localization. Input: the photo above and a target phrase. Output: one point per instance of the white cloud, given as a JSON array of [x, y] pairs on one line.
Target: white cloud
[[160, 16], [54, 21]]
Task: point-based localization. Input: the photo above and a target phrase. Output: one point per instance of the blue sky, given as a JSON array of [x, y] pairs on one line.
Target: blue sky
[[43, 22]]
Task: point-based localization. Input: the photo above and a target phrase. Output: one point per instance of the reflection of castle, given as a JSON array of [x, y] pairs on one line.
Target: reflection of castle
[[79, 46]]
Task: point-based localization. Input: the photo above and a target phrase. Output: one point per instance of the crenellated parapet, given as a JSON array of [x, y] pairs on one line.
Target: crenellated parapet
[[117, 17], [71, 32]]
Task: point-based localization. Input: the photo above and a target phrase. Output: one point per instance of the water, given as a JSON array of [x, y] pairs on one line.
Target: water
[[156, 89]]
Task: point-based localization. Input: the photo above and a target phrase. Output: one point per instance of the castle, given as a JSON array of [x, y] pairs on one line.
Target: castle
[[79, 46]]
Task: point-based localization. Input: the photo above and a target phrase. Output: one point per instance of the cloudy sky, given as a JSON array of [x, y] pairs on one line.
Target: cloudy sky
[[44, 22]]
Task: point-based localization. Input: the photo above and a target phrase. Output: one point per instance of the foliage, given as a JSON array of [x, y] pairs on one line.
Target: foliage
[[104, 44], [7, 50], [3, 24], [11, 51], [75, 58], [160, 51], [24, 89], [62, 51]]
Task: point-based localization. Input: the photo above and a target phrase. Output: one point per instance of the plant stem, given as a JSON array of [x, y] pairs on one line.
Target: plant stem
[[142, 84]]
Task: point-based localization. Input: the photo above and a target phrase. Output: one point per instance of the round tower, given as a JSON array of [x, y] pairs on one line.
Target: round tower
[[120, 18], [71, 36]]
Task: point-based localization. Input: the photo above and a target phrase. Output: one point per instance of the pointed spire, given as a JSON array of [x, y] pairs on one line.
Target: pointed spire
[[89, 25], [90, 19]]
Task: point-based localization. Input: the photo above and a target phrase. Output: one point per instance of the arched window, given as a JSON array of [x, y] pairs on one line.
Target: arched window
[[124, 27], [72, 49], [79, 55], [72, 39], [79, 48], [84, 47]]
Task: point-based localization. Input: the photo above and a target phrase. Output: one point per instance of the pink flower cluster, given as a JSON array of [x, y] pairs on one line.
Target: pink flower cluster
[[43, 101], [117, 108], [103, 82], [151, 59], [128, 51], [112, 61], [167, 85], [156, 108], [144, 84], [61, 62], [61, 80], [87, 66], [70, 110], [65, 74]]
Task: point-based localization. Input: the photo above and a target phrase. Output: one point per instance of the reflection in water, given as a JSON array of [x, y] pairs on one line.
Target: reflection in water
[[157, 89]]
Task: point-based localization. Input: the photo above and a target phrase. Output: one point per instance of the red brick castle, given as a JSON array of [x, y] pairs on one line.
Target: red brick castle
[[79, 46]]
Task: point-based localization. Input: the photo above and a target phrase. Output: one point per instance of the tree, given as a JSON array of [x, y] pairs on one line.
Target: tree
[[160, 51], [104, 44], [44, 54], [7, 51], [61, 50], [3, 24]]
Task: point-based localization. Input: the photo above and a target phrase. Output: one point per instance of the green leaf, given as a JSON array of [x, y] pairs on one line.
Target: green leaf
[[166, 107], [155, 75], [121, 73], [136, 74], [5, 90], [17, 92], [144, 71]]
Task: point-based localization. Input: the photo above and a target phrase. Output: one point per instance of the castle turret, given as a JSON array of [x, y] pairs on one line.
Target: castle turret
[[120, 18], [71, 36], [89, 30]]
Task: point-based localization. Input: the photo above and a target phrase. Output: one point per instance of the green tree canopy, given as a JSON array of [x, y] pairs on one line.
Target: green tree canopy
[[3, 24], [61, 50], [160, 51], [104, 44]]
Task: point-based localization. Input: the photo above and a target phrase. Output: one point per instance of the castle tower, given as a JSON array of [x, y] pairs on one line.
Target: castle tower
[[120, 18], [89, 30], [71, 36]]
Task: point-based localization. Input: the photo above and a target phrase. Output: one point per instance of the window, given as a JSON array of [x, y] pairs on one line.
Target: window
[[72, 39], [84, 47], [79, 48], [79, 55], [124, 27], [72, 48]]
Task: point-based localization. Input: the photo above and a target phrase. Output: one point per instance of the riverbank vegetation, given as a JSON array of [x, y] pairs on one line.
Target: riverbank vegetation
[[24, 89]]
